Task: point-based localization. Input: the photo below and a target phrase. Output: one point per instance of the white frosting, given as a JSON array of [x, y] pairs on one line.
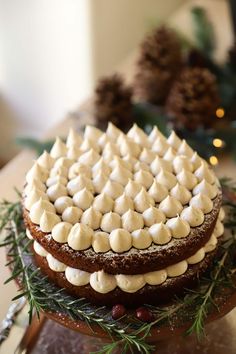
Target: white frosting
[[174, 140], [33, 197], [36, 172], [73, 152], [194, 216], [110, 148], [182, 163], [92, 218], [155, 134], [102, 282], [73, 139], [203, 172], [132, 221], [187, 179], [170, 206], [197, 257], [71, 214], [99, 181], [120, 240], [103, 140], [152, 216], [211, 244], [206, 188], [45, 160], [169, 155], [61, 171], [156, 278], [160, 146], [130, 160], [48, 220], [54, 264], [89, 158], [128, 147], [120, 175], [185, 149], [38, 208], [219, 228], [196, 160], [77, 277], [103, 203], [89, 144], [102, 166], [141, 239], [132, 188], [92, 133], [138, 136], [79, 169], [158, 164], [117, 161], [123, 204], [56, 191], [145, 178], [28, 234], [141, 166], [59, 149], [179, 227], [100, 242], [34, 184], [202, 202], [177, 269], [142, 201], [110, 221], [130, 283], [160, 233], [63, 162], [157, 191], [62, 203], [221, 215], [113, 132], [61, 231], [56, 179], [80, 237], [76, 184], [83, 199], [166, 178], [39, 249], [113, 189], [147, 156], [181, 193]]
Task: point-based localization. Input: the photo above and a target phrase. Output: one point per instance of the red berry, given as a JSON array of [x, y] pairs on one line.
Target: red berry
[[143, 314], [118, 311]]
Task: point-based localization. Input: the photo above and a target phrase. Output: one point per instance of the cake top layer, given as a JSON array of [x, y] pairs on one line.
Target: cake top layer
[[114, 191]]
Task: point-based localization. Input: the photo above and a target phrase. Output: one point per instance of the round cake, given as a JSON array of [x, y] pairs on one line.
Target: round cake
[[123, 218]]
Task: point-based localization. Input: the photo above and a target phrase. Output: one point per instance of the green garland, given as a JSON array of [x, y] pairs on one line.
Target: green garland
[[127, 333]]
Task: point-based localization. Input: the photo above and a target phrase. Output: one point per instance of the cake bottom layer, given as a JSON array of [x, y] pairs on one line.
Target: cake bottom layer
[[150, 294]]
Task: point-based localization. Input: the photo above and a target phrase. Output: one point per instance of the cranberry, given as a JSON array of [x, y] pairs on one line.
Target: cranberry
[[143, 314], [118, 311]]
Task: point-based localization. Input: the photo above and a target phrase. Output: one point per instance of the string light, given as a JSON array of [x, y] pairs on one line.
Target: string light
[[213, 160], [220, 112], [218, 142]]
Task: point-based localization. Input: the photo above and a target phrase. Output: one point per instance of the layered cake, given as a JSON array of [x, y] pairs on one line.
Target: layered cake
[[123, 218]]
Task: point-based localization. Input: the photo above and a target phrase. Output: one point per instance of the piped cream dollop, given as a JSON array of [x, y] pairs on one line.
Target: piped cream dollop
[[206, 188], [110, 221], [160, 233], [147, 156], [83, 199], [166, 178], [71, 214], [159, 164], [123, 204], [61, 231], [89, 158], [54, 264], [182, 163], [78, 183], [92, 218], [185, 149], [132, 221], [38, 209], [141, 239], [103, 203], [80, 237], [33, 197], [177, 269], [152, 216], [142, 201], [100, 242], [132, 188], [120, 175], [203, 172], [73, 139], [48, 220], [187, 179], [202, 202], [62, 203], [181, 193], [102, 282], [194, 216], [179, 228], [113, 189], [157, 191], [120, 240], [174, 141], [56, 191], [45, 160], [59, 149], [79, 169], [99, 181], [130, 283], [160, 146], [143, 177], [77, 277], [170, 206]]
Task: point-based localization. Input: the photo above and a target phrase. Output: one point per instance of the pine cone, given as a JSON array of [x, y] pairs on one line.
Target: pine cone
[[193, 99], [195, 58], [232, 56], [159, 62], [113, 103]]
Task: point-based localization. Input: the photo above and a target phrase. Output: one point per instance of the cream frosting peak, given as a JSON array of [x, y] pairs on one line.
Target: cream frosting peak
[[79, 169], [61, 231], [55, 180], [71, 214], [38, 208], [138, 136], [141, 239], [80, 237], [36, 172], [181, 193], [103, 140], [78, 183], [48, 220], [174, 140], [196, 160], [99, 181], [45, 160], [110, 221], [62, 203], [89, 158], [92, 133], [152, 216], [166, 178], [89, 144], [110, 148], [143, 177], [157, 191], [206, 188], [117, 161], [147, 156], [120, 240], [102, 282], [169, 155], [202, 202], [182, 162], [112, 131], [100, 242], [155, 134], [103, 203], [59, 149], [56, 191], [34, 184], [203, 172], [160, 233], [158, 164], [83, 199], [102, 166], [132, 221], [187, 179], [73, 139], [170, 206], [122, 204], [129, 147], [92, 218], [179, 228], [185, 149], [143, 201], [132, 188], [194, 216], [120, 174], [160, 146], [113, 189], [33, 196]]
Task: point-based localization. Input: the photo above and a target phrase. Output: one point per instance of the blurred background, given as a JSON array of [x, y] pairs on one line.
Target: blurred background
[[52, 52]]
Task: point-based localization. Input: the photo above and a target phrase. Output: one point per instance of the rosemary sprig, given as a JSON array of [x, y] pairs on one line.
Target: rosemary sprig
[[126, 334]]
